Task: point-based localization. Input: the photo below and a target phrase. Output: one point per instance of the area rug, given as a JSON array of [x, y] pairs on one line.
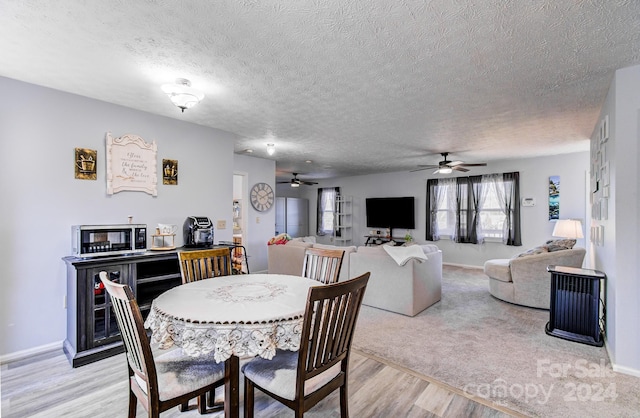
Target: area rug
[[499, 352]]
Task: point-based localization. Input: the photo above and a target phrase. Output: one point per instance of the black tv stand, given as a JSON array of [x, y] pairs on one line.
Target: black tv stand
[[378, 240]]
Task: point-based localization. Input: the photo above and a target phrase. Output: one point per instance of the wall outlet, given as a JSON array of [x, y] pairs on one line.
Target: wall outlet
[[257, 219], [64, 302], [222, 224]]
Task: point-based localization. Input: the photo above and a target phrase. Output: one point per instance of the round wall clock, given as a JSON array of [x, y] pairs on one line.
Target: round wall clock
[[262, 197]]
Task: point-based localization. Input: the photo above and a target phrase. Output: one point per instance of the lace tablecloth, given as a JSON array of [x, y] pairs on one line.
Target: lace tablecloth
[[241, 315]]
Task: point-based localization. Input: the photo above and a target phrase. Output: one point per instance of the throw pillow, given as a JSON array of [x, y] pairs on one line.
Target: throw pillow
[[536, 250], [279, 239], [560, 244]]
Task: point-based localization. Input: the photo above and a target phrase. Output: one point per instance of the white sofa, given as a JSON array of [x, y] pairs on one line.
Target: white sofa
[[289, 258], [407, 289]]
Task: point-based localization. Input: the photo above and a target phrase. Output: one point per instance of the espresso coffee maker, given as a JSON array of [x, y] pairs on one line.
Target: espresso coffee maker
[[198, 232]]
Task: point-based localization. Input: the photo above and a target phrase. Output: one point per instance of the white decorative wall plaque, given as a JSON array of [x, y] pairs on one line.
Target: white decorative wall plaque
[[131, 165]]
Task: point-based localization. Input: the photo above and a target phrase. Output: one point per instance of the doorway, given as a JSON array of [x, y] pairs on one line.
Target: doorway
[[240, 232]]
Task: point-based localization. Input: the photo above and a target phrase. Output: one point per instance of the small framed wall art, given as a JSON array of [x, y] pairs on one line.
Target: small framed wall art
[[170, 172], [554, 198], [85, 164]]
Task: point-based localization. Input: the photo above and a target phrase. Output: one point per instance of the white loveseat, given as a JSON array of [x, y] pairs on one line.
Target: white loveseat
[[407, 289]]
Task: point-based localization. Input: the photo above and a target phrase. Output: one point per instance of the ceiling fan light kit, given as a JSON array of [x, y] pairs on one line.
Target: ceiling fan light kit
[[447, 167], [182, 94], [296, 182]]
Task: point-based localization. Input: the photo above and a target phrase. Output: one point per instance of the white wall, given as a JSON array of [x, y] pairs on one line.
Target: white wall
[[534, 180], [618, 258], [41, 199]]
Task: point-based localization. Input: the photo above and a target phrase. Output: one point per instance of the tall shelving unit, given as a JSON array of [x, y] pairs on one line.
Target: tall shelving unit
[[343, 234]]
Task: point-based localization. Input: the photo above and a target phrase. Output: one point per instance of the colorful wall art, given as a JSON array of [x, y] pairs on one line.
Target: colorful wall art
[[554, 198]]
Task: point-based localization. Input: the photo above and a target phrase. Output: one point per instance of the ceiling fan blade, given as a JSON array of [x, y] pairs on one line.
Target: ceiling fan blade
[[474, 165], [460, 168], [452, 163], [308, 183], [428, 166], [421, 169], [283, 182]]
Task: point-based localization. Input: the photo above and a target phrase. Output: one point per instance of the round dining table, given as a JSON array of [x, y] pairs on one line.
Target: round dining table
[[229, 317]]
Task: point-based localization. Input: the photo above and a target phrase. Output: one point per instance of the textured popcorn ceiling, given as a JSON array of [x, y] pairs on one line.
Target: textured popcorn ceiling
[[360, 86]]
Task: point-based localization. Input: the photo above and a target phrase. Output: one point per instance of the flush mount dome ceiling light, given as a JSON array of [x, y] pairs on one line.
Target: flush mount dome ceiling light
[[182, 94]]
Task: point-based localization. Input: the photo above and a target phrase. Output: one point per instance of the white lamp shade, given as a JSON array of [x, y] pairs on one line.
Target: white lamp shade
[[568, 228], [182, 94]]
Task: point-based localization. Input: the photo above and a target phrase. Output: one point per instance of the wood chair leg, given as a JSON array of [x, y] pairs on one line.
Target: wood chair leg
[[344, 402], [211, 399], [202, 404], [248, 398], [184, 407], [133, 404]]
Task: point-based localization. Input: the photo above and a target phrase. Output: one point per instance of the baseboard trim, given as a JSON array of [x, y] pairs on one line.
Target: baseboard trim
[[30, 352], [466, 266], [625, 370]]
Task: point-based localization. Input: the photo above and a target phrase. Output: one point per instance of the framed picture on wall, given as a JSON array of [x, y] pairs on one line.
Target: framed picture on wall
[[131, 165], [605, 174], [170, 172], [85, 164], [554, 198]]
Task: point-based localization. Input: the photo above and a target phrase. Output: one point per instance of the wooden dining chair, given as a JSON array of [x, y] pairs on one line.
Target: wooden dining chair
[[322, 264], [163, 381], [301, 379], [204, 264]]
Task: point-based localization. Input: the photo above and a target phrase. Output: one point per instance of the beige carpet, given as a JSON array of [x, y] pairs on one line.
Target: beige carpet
[[499, 352]]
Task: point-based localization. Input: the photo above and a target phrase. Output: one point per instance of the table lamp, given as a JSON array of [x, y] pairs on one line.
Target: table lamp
[[568, 228]]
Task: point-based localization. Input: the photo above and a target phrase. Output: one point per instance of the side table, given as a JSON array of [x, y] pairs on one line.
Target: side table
[[574, 310]]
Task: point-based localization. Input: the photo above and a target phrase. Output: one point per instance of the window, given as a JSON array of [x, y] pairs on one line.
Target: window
[[470, 209], [491, 216], [326, 210]]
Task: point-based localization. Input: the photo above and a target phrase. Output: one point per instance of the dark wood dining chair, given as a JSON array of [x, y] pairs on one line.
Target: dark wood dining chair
[[301, 379], [204, 264], [322, 264], [163, 381]]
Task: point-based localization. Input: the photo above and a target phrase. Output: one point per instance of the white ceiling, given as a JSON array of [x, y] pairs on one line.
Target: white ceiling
[[355, 86]]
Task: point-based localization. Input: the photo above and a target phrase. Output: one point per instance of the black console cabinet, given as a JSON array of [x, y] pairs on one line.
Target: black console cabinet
[[92, 332], [574, 312]]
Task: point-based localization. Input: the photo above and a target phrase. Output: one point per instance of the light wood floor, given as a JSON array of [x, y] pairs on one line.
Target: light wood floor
[[47, 386]]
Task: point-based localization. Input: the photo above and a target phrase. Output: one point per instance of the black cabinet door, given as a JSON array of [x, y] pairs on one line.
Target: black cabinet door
[[101, 327]]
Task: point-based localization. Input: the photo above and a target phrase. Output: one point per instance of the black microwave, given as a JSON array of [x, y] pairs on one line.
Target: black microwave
[[103, 240]]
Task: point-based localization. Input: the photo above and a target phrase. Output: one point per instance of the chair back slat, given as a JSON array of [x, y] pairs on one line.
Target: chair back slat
[[134, 337], [204, 264], [328, 326], [322, 264]]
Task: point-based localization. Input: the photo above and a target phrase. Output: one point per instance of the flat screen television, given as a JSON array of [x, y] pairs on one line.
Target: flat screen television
[[390, 212]]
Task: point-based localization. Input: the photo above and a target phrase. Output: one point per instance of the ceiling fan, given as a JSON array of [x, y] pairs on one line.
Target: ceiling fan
[[296, 182], [446, 167]]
